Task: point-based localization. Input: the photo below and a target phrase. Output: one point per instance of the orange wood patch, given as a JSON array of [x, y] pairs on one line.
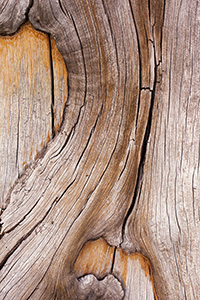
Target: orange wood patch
[[26, 96], [96, 257]]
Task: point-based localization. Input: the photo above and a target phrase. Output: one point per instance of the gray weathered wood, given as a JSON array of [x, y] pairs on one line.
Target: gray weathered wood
[[13, 13]]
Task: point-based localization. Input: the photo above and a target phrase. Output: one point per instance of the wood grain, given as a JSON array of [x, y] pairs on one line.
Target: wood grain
[[125, 164]]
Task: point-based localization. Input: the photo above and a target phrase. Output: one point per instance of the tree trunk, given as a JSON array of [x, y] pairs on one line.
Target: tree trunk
[[107, 162]]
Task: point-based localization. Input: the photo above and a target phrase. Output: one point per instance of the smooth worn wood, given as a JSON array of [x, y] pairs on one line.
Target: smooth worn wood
[[124, 165]]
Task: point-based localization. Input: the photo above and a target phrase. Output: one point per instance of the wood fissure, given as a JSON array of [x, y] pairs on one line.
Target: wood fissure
[[138, 185]]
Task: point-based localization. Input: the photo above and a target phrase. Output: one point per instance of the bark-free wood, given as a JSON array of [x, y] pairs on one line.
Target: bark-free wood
[[125, 164]]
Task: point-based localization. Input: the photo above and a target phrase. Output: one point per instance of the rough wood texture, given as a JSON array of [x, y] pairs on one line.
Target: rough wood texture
[[125, 164], [29, 115], [135, 272]]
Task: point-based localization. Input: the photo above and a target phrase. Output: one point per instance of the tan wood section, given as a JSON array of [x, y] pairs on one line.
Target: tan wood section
[[133, 270], [33, 91]]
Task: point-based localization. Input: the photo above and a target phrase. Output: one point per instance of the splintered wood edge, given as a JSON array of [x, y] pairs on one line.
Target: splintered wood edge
[[99, 258]]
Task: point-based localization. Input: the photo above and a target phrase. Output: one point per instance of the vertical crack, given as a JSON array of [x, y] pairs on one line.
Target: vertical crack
[[28, 9], [138, 186], [113, 260], [52, 87]]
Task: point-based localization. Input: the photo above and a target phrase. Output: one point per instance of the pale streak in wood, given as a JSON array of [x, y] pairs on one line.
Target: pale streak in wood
[[25, 100], [134, 270]]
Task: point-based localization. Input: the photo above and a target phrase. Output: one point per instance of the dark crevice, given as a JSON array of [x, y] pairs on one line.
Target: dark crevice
[[142, 162], [143, 152], [149, 9], [146, 88], [61, 7], [52, 87], [113, 260], [138, 187], [126, 161], [71, 183], [28, 9]]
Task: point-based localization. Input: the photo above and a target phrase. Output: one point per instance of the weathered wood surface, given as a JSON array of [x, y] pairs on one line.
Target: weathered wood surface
[[125, 164]]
